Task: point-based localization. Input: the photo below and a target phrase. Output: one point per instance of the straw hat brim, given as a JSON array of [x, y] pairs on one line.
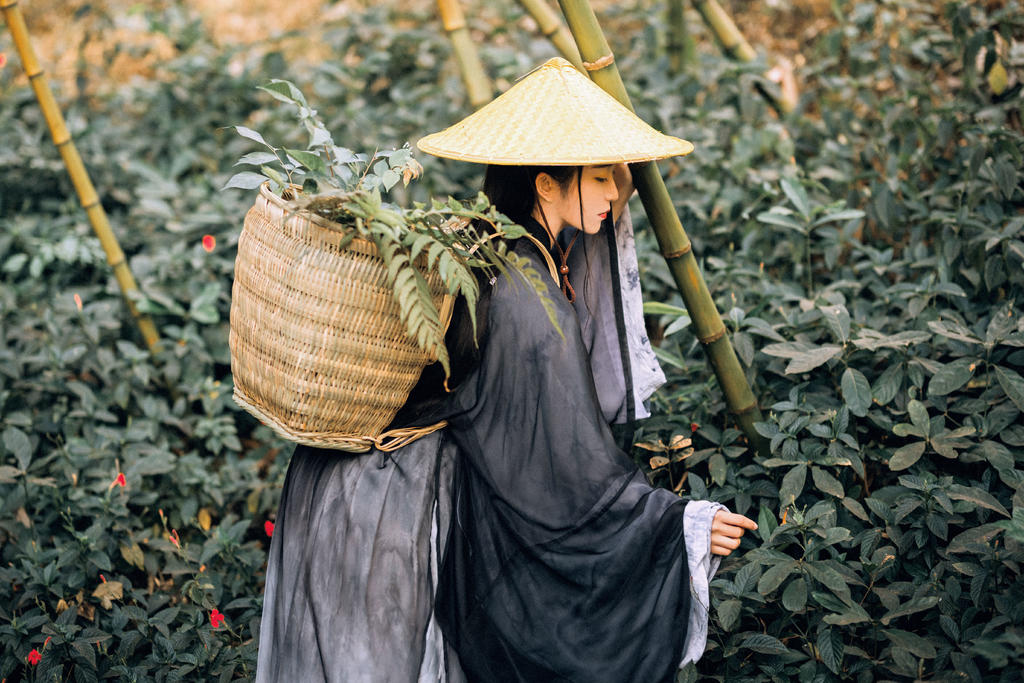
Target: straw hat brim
[[554, 116]]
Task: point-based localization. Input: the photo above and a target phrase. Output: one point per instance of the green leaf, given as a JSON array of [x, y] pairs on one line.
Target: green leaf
[[856, 391], [919, 417], [828, 576], [257, 159], [910, 607], [794, 598], [906, 456], [17, 444], [973, 494], [979, 535], [658, 308], [792, 485], [310, 160], [804, 357], [1012, 384], [728, 613], [251, 134], [284, 91], [798, 196], [775, 575], [389, 179], [951, 377], [827, 483], [841, 215], [849, 614], [915, 644], [830, 648], [838, 320], [246, 180], [776, 217], [764, 644], [766, 523], [888, 384]]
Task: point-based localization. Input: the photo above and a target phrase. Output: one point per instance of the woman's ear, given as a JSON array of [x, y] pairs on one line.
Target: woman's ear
[[545, 186]]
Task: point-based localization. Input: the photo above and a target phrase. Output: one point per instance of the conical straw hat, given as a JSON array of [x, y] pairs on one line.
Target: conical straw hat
[[554, 116]]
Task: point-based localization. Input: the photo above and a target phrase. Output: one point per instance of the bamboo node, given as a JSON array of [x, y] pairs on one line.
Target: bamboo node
[[679, 252], [748, 409], [714, 336], [600, 62]]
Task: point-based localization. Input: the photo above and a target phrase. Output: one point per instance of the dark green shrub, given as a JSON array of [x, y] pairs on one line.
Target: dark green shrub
[[866, 254]]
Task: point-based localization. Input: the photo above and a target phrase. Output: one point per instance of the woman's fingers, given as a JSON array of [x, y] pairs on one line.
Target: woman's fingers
[[725, 542], [726, 530], [730, 525]]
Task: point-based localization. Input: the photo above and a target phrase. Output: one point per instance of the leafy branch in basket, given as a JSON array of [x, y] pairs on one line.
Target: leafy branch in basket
[[455, 239]]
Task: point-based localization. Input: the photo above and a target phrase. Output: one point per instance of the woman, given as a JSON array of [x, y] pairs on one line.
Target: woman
[[551, 556]]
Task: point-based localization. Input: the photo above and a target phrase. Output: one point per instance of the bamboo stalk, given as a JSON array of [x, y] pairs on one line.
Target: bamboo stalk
[[724, 29], [682, 51], [87, 196], [736, 46], [672, 239], [478, 85], [552, 28]]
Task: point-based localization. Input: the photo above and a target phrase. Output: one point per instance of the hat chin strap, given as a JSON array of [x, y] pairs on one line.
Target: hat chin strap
[[563, 268]]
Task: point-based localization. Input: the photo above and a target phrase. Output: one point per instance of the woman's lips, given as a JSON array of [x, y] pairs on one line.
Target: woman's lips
[[603, 215]]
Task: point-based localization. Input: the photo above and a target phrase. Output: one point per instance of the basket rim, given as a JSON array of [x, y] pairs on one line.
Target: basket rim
[[305, 214]]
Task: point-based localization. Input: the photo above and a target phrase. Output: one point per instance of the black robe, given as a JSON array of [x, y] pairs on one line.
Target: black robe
[[560, 561], [563, 563]]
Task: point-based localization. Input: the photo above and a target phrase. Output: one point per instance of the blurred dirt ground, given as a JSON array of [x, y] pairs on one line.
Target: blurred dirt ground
[[74, 38]]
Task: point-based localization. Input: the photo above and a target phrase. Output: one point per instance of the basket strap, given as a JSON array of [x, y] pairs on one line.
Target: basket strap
[[547, 256], [394, 439], [540, 247]]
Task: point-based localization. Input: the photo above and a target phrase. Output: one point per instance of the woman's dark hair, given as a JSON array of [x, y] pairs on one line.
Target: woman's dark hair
[[512, 189]]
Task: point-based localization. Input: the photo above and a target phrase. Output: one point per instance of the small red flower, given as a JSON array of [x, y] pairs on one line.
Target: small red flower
[[694, 427], [34, 657], [209, 242], [174, 538], [216, 618], [120, 481], [78, 301], [268, 527], [3, 59]]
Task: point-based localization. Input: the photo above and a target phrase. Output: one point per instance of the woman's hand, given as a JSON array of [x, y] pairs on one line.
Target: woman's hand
[[726, 530], [624, 183]]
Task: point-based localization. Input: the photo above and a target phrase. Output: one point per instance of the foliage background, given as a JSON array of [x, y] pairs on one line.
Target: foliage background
[[866, 253]]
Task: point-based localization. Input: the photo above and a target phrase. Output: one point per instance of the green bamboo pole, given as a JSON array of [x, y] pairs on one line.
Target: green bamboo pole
[[552, 28], [478, 85], [672, 239], [682, 51], [87, 196], [724, 29], [735, 45]]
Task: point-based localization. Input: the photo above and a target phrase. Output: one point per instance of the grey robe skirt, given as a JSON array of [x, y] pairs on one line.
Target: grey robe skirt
[[352, 569]]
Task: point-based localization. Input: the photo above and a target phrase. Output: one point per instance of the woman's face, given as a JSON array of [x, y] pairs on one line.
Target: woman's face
[[597, 191]]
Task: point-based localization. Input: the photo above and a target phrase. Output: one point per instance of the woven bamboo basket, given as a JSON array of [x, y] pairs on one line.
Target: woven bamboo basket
[[318, 349]]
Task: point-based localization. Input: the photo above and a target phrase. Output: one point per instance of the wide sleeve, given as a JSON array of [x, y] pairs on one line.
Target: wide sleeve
[[563, 563]]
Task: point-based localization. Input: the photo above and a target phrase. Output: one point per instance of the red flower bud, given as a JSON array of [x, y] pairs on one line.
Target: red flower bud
[[209, 242], [268, 527], [694, 427], [121, 481]]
